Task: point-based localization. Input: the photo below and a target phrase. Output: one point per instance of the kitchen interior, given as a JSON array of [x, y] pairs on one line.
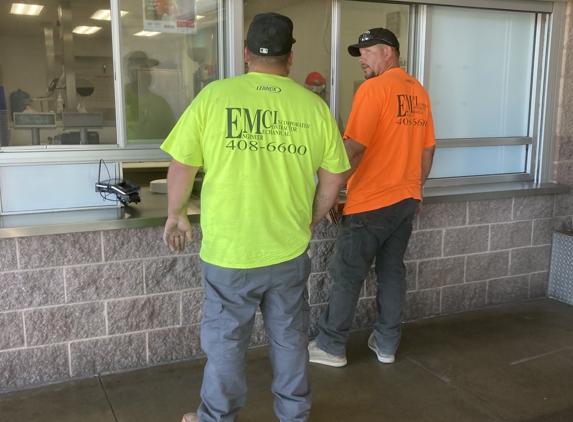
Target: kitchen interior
[[57, 84]]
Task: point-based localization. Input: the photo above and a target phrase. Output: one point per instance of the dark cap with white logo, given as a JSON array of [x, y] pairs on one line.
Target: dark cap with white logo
[[372, 37], [270, 34]]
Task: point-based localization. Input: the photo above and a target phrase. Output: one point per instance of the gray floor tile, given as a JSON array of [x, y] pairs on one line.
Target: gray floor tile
[[366, 390], [517, 360], [565, 415], [159, 394], [76, 401], [511, 362]]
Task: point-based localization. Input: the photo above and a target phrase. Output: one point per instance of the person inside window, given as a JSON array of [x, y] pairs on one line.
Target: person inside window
[[148, 115]]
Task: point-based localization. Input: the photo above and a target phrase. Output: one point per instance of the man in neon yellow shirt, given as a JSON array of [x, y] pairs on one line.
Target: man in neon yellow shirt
[[260, 139]]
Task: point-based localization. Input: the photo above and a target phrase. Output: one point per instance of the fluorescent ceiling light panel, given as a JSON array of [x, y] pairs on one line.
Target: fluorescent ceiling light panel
[[200, 17], [26, 9], [105, 14], [146, 34], [86, 30]]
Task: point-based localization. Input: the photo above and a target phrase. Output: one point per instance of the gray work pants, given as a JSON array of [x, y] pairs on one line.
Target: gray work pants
[[232, 297]]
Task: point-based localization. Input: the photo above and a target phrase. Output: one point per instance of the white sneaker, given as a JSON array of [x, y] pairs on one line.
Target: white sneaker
[[317, 355], [374, 347], [190, 417]]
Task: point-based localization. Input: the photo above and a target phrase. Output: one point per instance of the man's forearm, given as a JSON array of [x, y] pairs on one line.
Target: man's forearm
[[180, 180], [355, 152], [427, 160], [326, 195]]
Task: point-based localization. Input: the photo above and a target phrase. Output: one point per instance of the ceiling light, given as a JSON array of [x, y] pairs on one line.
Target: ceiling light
[[200, 17], [147, 34], [26, 9], [105, 15], [86, 30]]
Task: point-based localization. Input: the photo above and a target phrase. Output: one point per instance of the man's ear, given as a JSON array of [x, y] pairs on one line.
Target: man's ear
[[388, 52], [291, 54], [246, 55]]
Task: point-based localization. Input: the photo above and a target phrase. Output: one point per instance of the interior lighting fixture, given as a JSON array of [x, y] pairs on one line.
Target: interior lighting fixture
[[86, 30], [26, 9], [200, 17], [105, 14], [146, 34]]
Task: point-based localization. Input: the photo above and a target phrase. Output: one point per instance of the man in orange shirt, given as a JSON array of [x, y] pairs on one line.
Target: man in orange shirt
[[390, 144]]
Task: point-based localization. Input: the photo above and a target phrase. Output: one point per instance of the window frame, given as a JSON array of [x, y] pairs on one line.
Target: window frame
[[548, 49], [121, 151], [530, 141]]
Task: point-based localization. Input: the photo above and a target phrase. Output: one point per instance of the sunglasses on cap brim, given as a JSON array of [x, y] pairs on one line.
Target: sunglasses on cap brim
[[370, 37]]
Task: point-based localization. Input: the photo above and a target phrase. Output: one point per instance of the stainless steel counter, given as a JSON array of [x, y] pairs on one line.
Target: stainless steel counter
[[151, 211]]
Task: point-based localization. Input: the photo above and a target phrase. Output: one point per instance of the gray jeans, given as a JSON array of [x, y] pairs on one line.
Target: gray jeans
[[232, 297], [382, 234]]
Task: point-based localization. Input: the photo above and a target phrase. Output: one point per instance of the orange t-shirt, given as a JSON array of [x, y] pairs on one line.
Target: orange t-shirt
[[392, 118]]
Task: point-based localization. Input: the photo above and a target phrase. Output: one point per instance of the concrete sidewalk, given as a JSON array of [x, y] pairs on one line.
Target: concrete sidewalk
[[510, 362]]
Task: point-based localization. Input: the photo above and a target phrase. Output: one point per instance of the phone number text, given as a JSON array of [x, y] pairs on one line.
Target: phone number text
[[253, 146]]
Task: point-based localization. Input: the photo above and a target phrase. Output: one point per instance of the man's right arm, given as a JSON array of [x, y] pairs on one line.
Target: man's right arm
[[180, 180], [355, 151], [326, 195]]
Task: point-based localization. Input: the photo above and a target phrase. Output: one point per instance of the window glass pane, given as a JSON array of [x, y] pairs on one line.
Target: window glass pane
[[480, 71], [52, 66], [39, 182], [312, 29], [170, 52], [358, 17], [478, 161]]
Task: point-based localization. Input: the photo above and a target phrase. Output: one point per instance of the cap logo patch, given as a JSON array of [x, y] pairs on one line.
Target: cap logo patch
[[264, 51]]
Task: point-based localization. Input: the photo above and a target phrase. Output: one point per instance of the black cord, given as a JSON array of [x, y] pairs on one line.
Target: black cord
[[99, 171], [104, 195]]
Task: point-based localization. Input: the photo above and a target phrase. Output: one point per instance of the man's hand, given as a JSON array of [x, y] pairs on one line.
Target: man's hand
[[334, 213], [176, 230]]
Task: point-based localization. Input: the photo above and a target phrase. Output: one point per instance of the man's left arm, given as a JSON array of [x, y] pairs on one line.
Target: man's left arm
[[427, 160]]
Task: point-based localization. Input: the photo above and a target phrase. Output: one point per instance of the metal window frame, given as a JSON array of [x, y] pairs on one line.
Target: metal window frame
[[335, 44], [120, 151], [535, 115], [234, 21], [537, 6], [546, 75]]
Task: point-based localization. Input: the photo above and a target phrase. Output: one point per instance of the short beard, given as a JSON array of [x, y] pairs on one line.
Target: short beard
[[369, 75]]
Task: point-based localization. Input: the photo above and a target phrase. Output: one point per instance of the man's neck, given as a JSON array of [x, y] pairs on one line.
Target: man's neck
[[390, 66], [267, 69]]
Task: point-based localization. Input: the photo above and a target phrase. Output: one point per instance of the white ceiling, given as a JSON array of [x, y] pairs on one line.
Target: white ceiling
[[15, 25], [253, 7]]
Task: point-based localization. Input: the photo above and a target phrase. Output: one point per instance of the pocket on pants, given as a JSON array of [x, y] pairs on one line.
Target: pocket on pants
[[212, 309]]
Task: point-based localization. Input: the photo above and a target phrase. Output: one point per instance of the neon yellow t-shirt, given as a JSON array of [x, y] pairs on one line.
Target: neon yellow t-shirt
[[260, 139]]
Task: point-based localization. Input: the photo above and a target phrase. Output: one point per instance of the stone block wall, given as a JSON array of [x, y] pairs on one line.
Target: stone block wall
[[82, 304]]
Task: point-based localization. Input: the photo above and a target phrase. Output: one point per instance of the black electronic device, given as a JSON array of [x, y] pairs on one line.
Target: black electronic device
[[126, 192]]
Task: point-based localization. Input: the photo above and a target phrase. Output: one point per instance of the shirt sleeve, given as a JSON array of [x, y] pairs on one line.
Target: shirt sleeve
[[184, 141], [366, 111], [334, 159]]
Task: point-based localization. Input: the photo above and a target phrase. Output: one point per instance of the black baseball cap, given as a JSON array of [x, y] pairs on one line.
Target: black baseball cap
[[372, 37], [140, 58], [270, 34]]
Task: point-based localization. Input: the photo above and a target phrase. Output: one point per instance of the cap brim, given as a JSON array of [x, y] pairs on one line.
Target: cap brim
[[354, 49]]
